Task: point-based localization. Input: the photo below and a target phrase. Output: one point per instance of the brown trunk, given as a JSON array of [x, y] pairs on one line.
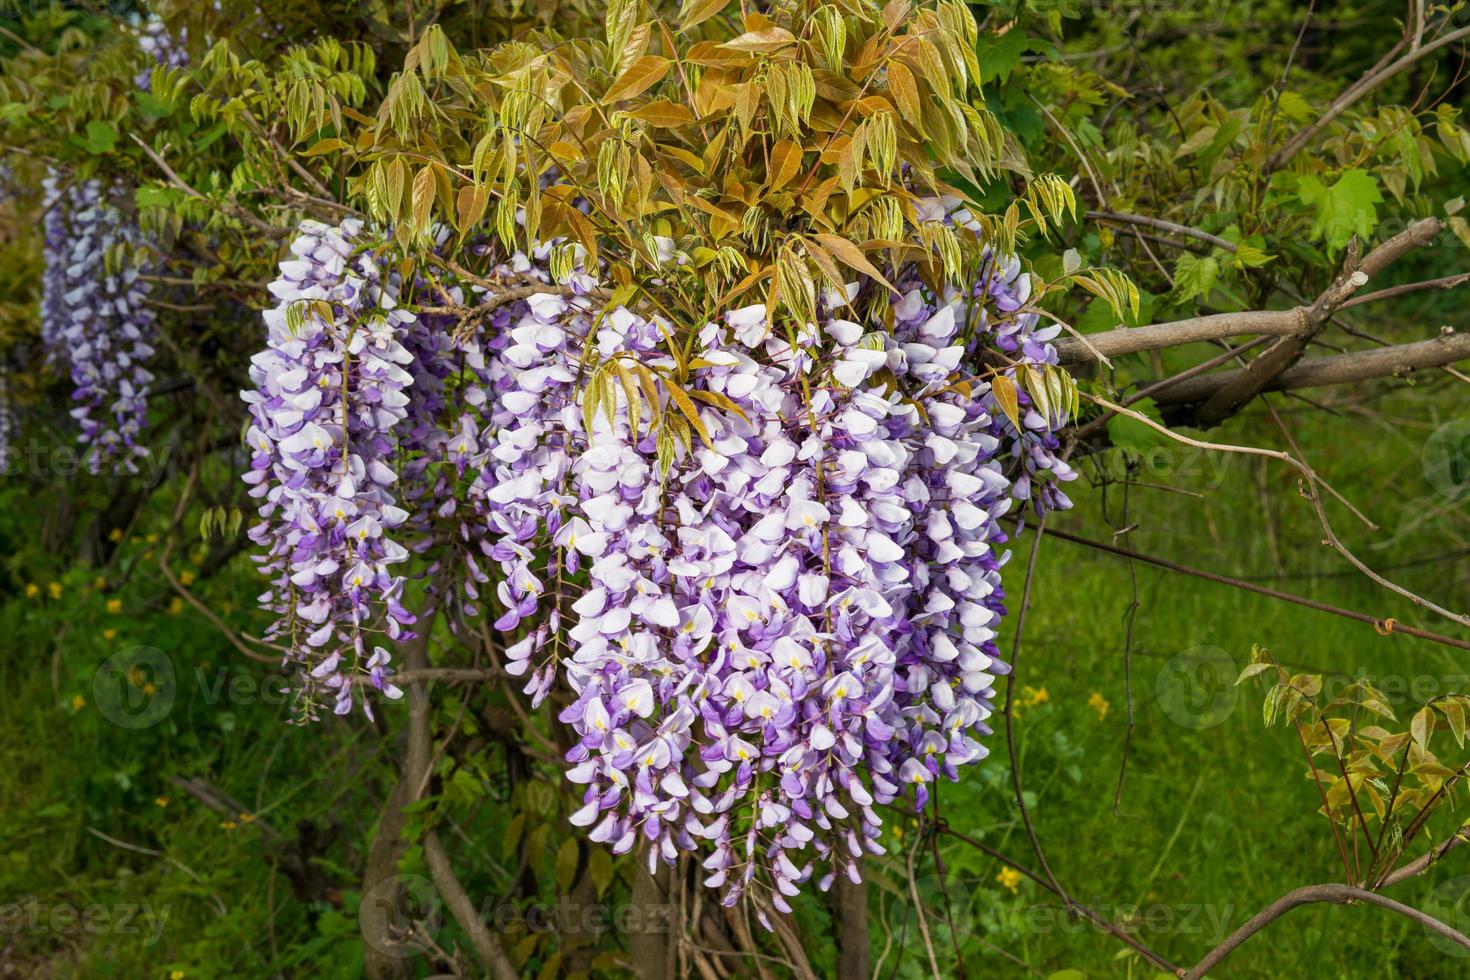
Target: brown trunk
[[850, 914], [650, 924], [382, 894]]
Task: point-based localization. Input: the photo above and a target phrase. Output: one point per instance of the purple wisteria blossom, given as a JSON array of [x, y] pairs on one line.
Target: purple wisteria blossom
[[327, 408], [7, 424], [95, 320], [759, 638]]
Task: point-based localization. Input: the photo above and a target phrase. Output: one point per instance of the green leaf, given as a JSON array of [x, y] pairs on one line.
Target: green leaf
[[1345, 209], [101, 137], [566, 863], [600, 867], [1194, 276], [1000, 54]]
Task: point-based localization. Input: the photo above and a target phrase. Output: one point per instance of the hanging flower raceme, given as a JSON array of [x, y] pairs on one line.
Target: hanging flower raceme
[[327, 411], [7, 424], [95, 320], [768, 578]]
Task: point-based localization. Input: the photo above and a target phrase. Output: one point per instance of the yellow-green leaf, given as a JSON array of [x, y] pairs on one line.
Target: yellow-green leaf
[[663, 113], [851, 256], [686, 405], [1005, 395], [696, 12], [640, 76], [785, 162]]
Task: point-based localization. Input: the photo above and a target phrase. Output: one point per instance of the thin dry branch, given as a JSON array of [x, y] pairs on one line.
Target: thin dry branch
[[1159, 224], [1370, 82], [1309, 484], [1309, 895], [462, 907]]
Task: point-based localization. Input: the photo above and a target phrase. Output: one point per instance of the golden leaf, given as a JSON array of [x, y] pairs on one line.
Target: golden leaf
[[761, 42], [663, 113], [785, 162], [695, 12], [850, 255], [470, 207], [1005, 394], [905, 93], [640, 76], [690, 412]]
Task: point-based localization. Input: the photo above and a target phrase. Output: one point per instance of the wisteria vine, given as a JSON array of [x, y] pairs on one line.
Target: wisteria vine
[[763, 589]]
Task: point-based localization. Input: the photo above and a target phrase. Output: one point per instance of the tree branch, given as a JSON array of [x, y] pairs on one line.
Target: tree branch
[[1319, 372], [1160, 224], [487, 947], [1375, 77], [1157, 336], [1264, 369], [1335, 894]]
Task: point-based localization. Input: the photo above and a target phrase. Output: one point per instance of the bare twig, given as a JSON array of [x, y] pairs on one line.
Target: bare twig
[[1311, 894], [1371, 81], [1160, 224]]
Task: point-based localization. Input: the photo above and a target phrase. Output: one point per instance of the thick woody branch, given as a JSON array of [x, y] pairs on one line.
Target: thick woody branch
[[1157, 336], [1296, 323], [1320, 372], [1280, 356]]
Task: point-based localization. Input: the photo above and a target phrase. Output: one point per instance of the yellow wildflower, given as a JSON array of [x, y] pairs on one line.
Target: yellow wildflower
[[32, 590], [161, 800], [115, 534], [1099, 704], [109, 634], [227, 825], [78, 703], [55, 589], [186, 578], [1009, 878], [247, 817], [176, 975], [176, 607], [114, 606], [151, 539]]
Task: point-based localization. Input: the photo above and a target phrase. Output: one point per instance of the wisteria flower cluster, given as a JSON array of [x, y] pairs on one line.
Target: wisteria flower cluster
[[95, 320], [7, 424], [767, 586], [326, 410]]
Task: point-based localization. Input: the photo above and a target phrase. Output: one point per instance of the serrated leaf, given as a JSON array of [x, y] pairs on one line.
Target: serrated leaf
[[1345, 209]]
